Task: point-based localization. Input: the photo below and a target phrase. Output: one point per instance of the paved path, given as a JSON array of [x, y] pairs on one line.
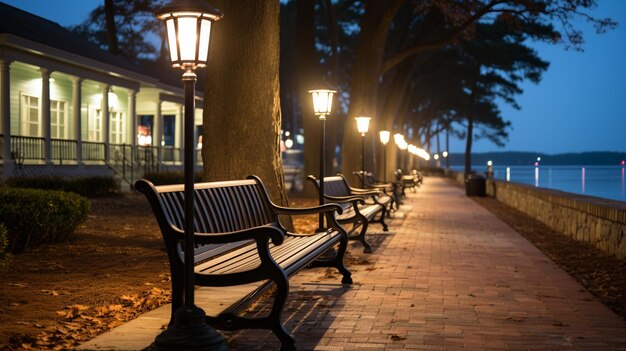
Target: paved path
[[448, 276]]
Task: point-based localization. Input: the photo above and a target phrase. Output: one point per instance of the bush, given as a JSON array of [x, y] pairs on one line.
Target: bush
[[85, 186], [4, 247], [167, 178], [34, 217]]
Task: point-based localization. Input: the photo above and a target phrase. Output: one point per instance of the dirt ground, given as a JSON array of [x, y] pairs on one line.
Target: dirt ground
[[115, 268]]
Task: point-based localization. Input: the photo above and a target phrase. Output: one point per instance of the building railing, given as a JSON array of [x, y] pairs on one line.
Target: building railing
[[27, 148], [131, 162], [93, 151], [63, 150]]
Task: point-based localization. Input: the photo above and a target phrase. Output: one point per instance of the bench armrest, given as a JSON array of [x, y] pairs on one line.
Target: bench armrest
[[294, 211], [364, 192], [255, 233], [355, 198]]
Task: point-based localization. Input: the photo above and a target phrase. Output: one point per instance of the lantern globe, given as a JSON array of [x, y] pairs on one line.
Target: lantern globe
[[384, 136], [322, 101], [188, 27], [362, 124]]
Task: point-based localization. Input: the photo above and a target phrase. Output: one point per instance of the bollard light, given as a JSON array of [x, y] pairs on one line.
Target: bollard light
[[322, 106], [188, 27]]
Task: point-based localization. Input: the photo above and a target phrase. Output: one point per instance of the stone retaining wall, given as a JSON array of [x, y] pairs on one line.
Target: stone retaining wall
[[599, 222]]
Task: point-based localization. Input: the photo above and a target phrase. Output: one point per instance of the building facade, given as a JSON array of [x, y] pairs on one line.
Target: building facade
[[68, 108]]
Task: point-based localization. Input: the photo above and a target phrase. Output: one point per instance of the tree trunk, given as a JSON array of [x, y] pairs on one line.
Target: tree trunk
[[308, 73], [241, 96], [109, 15], [470, 128], [364, 84]]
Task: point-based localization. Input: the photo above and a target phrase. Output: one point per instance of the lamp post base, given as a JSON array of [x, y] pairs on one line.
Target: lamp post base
[[189, 332]]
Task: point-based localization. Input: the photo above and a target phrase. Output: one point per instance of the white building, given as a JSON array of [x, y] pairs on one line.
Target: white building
[[69, 108]]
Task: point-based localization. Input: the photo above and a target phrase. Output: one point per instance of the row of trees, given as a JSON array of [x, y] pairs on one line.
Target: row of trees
[[419, 67]]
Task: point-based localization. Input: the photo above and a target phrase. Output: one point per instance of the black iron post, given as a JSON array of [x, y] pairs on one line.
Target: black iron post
[[322, 166], [363, 161], [384, 163], [189, 330]]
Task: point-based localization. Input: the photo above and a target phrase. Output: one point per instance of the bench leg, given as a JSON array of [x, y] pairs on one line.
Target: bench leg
[[287, 341], [343, 246], [361, 237], [382, 220]]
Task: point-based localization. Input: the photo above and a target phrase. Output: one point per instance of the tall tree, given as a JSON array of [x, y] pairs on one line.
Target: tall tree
[[458, 24], [125, 27], [242, 117]]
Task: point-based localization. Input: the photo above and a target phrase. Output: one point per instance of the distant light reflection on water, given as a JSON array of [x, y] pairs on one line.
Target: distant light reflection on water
[[601, 181]]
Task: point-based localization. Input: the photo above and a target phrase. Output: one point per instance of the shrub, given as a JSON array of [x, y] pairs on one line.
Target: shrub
[[85, 186], [4, 247], [34, 217], [166, 178]]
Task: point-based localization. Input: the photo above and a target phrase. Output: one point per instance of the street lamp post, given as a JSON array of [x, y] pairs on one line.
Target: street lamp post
[[322, 105], [384, 138], [362, 125], [188, 27]]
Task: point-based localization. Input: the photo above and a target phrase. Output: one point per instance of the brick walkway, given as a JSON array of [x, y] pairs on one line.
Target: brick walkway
[[448, 276]]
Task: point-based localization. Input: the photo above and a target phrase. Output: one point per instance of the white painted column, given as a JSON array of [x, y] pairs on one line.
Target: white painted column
[[5, 116], [158, 129], [132, 116], [106, 123], [77, 97], [45, 113]]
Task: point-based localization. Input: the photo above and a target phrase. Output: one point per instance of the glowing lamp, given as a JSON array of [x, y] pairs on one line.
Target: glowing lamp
[[445, 154], [436, 156], [362, 124], [112, 99], [398, 139], [188, 27], [489, 163], [322, 101], [384, 136]]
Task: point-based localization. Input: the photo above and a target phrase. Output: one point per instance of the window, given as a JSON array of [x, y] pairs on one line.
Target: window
[[31, 119], [58, 119], [118, 120], [94, 124]]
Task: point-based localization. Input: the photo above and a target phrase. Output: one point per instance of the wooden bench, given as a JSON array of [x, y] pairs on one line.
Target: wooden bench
[[360, 206], [412, 181], [239, 240], [389, 189]]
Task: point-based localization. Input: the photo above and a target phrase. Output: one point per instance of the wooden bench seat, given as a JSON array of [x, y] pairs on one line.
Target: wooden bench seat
[[240, 240], [390, 190], [360, 206]]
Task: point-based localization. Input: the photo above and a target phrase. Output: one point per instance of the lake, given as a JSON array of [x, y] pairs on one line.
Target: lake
[[600, 181]]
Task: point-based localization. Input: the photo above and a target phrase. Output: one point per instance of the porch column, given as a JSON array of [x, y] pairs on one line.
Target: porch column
[[132, 116], [5, 116], [158, 129], [77, 116], [180, 132], [45, 113], [106, 124]]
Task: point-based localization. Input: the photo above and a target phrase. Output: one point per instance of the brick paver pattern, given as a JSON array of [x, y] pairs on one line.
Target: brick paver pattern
[[448, 276]]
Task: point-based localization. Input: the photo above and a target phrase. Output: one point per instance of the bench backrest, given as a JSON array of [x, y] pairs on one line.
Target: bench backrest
[[219, 207], [334, 186]]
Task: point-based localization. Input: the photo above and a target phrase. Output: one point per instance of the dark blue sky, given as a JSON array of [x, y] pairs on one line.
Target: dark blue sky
[[578, 106]]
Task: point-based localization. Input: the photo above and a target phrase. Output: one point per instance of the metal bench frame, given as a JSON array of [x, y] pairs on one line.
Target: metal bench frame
[[360, 206], [239, 240]]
